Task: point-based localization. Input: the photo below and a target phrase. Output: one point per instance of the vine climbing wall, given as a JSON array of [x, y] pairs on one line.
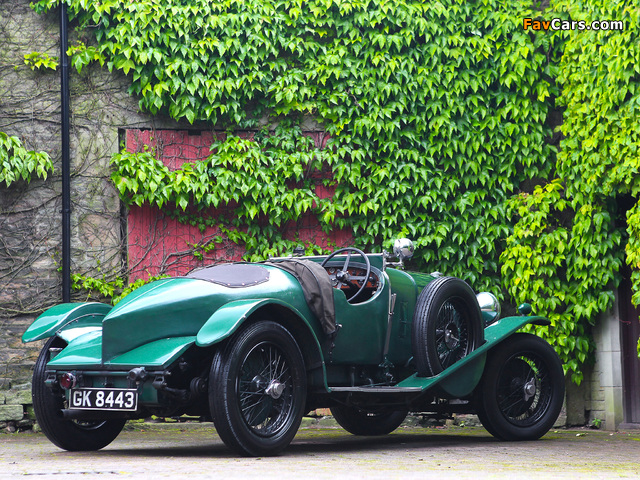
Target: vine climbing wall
[[158, 243]]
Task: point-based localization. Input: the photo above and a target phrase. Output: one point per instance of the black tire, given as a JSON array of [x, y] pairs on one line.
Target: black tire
[[375, 421], [522, 390], [249, 419], [447, 325], [69, 435]]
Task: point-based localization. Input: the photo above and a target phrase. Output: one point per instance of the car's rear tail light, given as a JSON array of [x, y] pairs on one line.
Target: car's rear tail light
[[68, 380]]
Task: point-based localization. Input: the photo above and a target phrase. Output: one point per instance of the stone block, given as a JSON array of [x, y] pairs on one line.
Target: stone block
[[613, 415], [16, 397], [22, 386], [597, 407], [596, 392], [24, 424], [11, 413]]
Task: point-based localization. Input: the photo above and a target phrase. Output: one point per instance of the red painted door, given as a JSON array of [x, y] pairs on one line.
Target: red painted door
[[158, 244]]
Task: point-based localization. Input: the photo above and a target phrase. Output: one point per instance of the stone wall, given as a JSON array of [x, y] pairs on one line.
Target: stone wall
[[30, 214], [598, 400], [16, 408], [605, 392]]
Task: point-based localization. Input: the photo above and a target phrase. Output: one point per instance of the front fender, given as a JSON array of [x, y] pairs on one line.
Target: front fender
[[461, 378], [60, 316], [230, 316]]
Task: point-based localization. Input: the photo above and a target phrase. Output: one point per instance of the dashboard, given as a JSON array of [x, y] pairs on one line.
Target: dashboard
[[356, 277]]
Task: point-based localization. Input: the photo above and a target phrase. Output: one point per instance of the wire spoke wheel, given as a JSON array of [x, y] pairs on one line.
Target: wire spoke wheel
[[524, 392], [257, 389], [447, 325], [265, 394], [521, 392], [453, 325]]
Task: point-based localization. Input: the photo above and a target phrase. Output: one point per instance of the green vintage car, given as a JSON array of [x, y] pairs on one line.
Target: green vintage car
[[255, 346]]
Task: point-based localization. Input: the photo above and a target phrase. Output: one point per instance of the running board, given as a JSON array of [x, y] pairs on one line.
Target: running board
[[377, 389]]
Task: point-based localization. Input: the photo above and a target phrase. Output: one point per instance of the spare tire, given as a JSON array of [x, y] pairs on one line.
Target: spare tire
[[447, 325]]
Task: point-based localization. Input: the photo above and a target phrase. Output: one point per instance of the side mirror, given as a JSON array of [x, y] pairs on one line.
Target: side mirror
[[403, 249]]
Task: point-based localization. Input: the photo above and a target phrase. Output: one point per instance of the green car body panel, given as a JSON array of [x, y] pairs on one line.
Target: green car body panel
[[183, 306], [66, 316], [159, 320]]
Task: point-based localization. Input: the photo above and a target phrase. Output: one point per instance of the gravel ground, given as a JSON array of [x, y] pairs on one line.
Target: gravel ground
[[323, 451]]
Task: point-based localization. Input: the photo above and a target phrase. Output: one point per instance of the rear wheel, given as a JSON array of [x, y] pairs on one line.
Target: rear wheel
[[48, 403], [374, 421], [447, 325], [521, 392], [257, 389]]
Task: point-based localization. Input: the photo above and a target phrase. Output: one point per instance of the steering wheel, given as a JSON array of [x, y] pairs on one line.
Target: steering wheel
[[343, 277]]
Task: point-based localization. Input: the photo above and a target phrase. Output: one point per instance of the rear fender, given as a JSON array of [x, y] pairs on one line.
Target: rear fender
[[66, 316], [228, 319]]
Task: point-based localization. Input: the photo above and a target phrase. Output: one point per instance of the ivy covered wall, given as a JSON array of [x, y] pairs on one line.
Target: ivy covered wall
[[436, 114], [440, 129], [163, 243], [576, 230]]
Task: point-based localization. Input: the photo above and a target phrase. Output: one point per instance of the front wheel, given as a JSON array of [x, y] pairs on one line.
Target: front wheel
[[257, 389], [69, 435], [375, 421], [522, 390]]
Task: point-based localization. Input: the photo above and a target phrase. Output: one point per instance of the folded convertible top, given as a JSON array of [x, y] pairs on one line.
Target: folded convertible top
[[317, 288]]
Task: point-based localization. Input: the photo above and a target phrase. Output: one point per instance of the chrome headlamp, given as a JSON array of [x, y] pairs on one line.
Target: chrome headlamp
[[403, 248], [489, 306]]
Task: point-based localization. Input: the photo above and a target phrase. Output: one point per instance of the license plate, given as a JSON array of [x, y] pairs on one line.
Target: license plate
[[118, 399]]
